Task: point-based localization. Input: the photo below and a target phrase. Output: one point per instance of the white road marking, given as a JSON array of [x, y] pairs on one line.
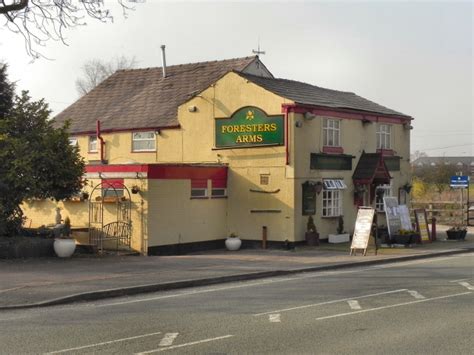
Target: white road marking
[[330, 302], [274, 318], [11, 289], [354, 304], [281, 279], [168, 339], [416, 294], [467, 285], [103, 343], [461, 279], [392, 306], [183, 345]]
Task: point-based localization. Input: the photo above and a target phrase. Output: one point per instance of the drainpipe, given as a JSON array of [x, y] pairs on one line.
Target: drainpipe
[[102, 143], [287, 152]]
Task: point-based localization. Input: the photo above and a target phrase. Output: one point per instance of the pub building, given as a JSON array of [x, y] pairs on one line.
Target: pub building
[[188, 154]]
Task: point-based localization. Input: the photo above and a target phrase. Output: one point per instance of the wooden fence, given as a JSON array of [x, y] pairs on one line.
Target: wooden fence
[[447, 212]]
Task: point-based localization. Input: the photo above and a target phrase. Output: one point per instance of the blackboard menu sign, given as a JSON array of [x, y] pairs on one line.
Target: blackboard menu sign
[[394, 222], [422, 225], [362, 229], [309, 198]]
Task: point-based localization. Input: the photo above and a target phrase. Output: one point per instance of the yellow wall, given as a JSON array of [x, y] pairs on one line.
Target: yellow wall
[[175, 218], [355, 138]]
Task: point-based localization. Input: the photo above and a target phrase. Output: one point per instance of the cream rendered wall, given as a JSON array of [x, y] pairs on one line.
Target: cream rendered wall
[[195, 144], [43, 212], [118, 149], [175, 218], [355, 138]]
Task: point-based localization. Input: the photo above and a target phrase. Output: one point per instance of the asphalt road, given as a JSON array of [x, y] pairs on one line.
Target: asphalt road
[[418, 307]]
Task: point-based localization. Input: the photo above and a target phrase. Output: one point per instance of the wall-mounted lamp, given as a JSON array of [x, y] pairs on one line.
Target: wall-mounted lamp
[[192, 108], [366, 121], [309, 116], [135, 189], [318, 187], [299, 124], [407, 126]]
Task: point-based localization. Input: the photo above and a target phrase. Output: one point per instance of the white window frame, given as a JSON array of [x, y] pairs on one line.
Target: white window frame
[[332, 197], [92, 144], [222, 192], [384, 136], [153, 139], [196, 192], [331, 132], [379, 205], [73, 141]]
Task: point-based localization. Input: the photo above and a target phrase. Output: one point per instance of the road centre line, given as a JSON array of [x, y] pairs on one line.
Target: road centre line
[[467, 285], [168, 339], [314, 274], [330, 302], [103, 343], [274, 318], [354, 304], [392, 306], [469, 278], [416, 294], [183, 345]]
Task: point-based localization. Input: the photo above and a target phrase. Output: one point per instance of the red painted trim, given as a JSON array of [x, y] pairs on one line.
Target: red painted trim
[[217, 174], [135, 168], [113, 130], [346, 113], [333, 150], [199, 184], [115, 183], [386, 152]]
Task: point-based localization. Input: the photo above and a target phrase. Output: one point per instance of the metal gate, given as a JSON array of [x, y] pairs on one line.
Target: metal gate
[[110, 224]]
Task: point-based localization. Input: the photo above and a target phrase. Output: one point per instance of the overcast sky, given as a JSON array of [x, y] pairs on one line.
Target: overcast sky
[[416, 58]]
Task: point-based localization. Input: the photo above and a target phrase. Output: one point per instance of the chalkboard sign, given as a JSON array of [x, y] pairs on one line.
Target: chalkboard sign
[[404, 217], [422, 225], [309, 198], [393, 217], [362, 229]]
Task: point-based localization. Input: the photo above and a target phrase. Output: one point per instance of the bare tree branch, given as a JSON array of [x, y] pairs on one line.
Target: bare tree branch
[[39, 21], [95, 71]]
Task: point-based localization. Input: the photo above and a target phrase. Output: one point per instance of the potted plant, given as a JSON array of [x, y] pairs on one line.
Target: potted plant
[[64, 245], [407, 237], [341, 236], [456, 233], [311, 235], [233, 242]]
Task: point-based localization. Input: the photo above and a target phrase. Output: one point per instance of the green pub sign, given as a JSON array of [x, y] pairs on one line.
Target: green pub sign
[[249, 127]]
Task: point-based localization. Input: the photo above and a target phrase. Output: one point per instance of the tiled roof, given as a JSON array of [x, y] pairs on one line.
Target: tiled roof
[[444, 160], [370, 168], [142, 98], [307, 94]]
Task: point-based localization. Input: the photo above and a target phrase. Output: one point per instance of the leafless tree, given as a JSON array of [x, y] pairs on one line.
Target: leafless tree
[[96, 70], [39, 21]]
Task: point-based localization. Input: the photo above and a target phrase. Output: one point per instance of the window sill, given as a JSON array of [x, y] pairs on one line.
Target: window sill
[[93, 152], [199, 198], [143, 151], [218, 197], [331, 217], [333, 150]]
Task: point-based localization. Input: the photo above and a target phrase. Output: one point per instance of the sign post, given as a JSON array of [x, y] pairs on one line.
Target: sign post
[[362, 230], [461, 182], [422, 225], [394, 222]]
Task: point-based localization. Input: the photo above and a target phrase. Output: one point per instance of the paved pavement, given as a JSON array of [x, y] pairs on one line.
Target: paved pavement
[[48, 281]]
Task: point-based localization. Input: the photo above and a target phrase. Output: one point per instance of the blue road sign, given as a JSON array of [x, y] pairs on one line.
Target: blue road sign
[[460, 182]]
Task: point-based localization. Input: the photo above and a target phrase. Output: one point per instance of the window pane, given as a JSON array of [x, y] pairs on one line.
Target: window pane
[[198, 192]]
